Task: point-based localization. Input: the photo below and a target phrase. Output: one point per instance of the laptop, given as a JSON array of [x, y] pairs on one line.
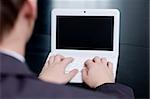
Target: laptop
[[84, 34]]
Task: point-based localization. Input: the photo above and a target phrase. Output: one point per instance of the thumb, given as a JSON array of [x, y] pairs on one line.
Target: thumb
[[71, 74], [84, 75]]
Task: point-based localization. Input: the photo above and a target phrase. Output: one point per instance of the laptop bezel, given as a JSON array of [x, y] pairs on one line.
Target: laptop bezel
[[86, 12]]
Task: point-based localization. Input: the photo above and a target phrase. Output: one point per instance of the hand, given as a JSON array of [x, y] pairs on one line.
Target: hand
[[54, 70], [97, 72]]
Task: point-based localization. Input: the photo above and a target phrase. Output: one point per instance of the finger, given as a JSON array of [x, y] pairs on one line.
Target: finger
[[51, 60], [47, 63], [110, 66], [67, 61], [96, 59], [44, 67], [84, 75], [71, 74], [104, 61], [84, 67], [89, 63], [58, 58]]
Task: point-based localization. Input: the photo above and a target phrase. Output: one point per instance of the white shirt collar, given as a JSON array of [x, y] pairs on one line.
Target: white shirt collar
[[13, 54]]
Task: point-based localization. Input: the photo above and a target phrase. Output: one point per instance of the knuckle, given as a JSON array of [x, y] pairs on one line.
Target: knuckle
[[110, 63], [96, 57], [104, 59], [88, 62], [57, 56]]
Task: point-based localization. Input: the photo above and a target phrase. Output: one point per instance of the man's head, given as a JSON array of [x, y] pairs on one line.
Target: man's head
[[17, 20]]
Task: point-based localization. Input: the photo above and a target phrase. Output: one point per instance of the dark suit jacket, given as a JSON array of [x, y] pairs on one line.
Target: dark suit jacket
[[17, 82]]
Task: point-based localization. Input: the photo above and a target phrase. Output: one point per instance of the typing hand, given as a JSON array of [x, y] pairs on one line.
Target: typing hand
[[97, 72], [54, 70]]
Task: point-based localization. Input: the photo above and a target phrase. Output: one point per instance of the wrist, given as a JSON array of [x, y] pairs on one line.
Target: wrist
[[103, 83]]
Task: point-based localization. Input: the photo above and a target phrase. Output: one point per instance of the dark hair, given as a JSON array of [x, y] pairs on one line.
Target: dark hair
[[9, 10]]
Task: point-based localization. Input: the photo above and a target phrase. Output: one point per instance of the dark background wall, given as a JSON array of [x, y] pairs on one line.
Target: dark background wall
[[133, 67], [39, 45]]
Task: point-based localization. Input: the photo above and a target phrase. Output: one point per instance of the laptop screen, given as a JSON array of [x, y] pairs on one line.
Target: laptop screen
[[85, 32]]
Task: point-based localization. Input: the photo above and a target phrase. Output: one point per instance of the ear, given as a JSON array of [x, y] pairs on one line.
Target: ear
[[33, 4], [29, 9]]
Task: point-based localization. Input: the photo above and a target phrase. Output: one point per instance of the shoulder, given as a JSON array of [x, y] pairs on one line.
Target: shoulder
[[119, 90]]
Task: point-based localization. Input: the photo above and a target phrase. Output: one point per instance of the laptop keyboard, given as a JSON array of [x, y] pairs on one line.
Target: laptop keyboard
[[78, 64]]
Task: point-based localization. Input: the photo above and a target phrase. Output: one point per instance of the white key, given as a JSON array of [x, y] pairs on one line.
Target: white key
[[76, 64]]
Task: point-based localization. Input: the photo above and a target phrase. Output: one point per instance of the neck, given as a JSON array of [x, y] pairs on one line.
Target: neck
[[18, 46], [18, 50]]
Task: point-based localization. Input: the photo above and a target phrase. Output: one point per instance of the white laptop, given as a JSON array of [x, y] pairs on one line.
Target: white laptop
[[84, 34]]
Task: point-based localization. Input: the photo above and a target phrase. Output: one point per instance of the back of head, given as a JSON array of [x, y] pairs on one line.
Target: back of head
[[9, 10]]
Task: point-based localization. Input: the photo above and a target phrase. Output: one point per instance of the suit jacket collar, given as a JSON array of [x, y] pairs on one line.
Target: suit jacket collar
[[12, 66]]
